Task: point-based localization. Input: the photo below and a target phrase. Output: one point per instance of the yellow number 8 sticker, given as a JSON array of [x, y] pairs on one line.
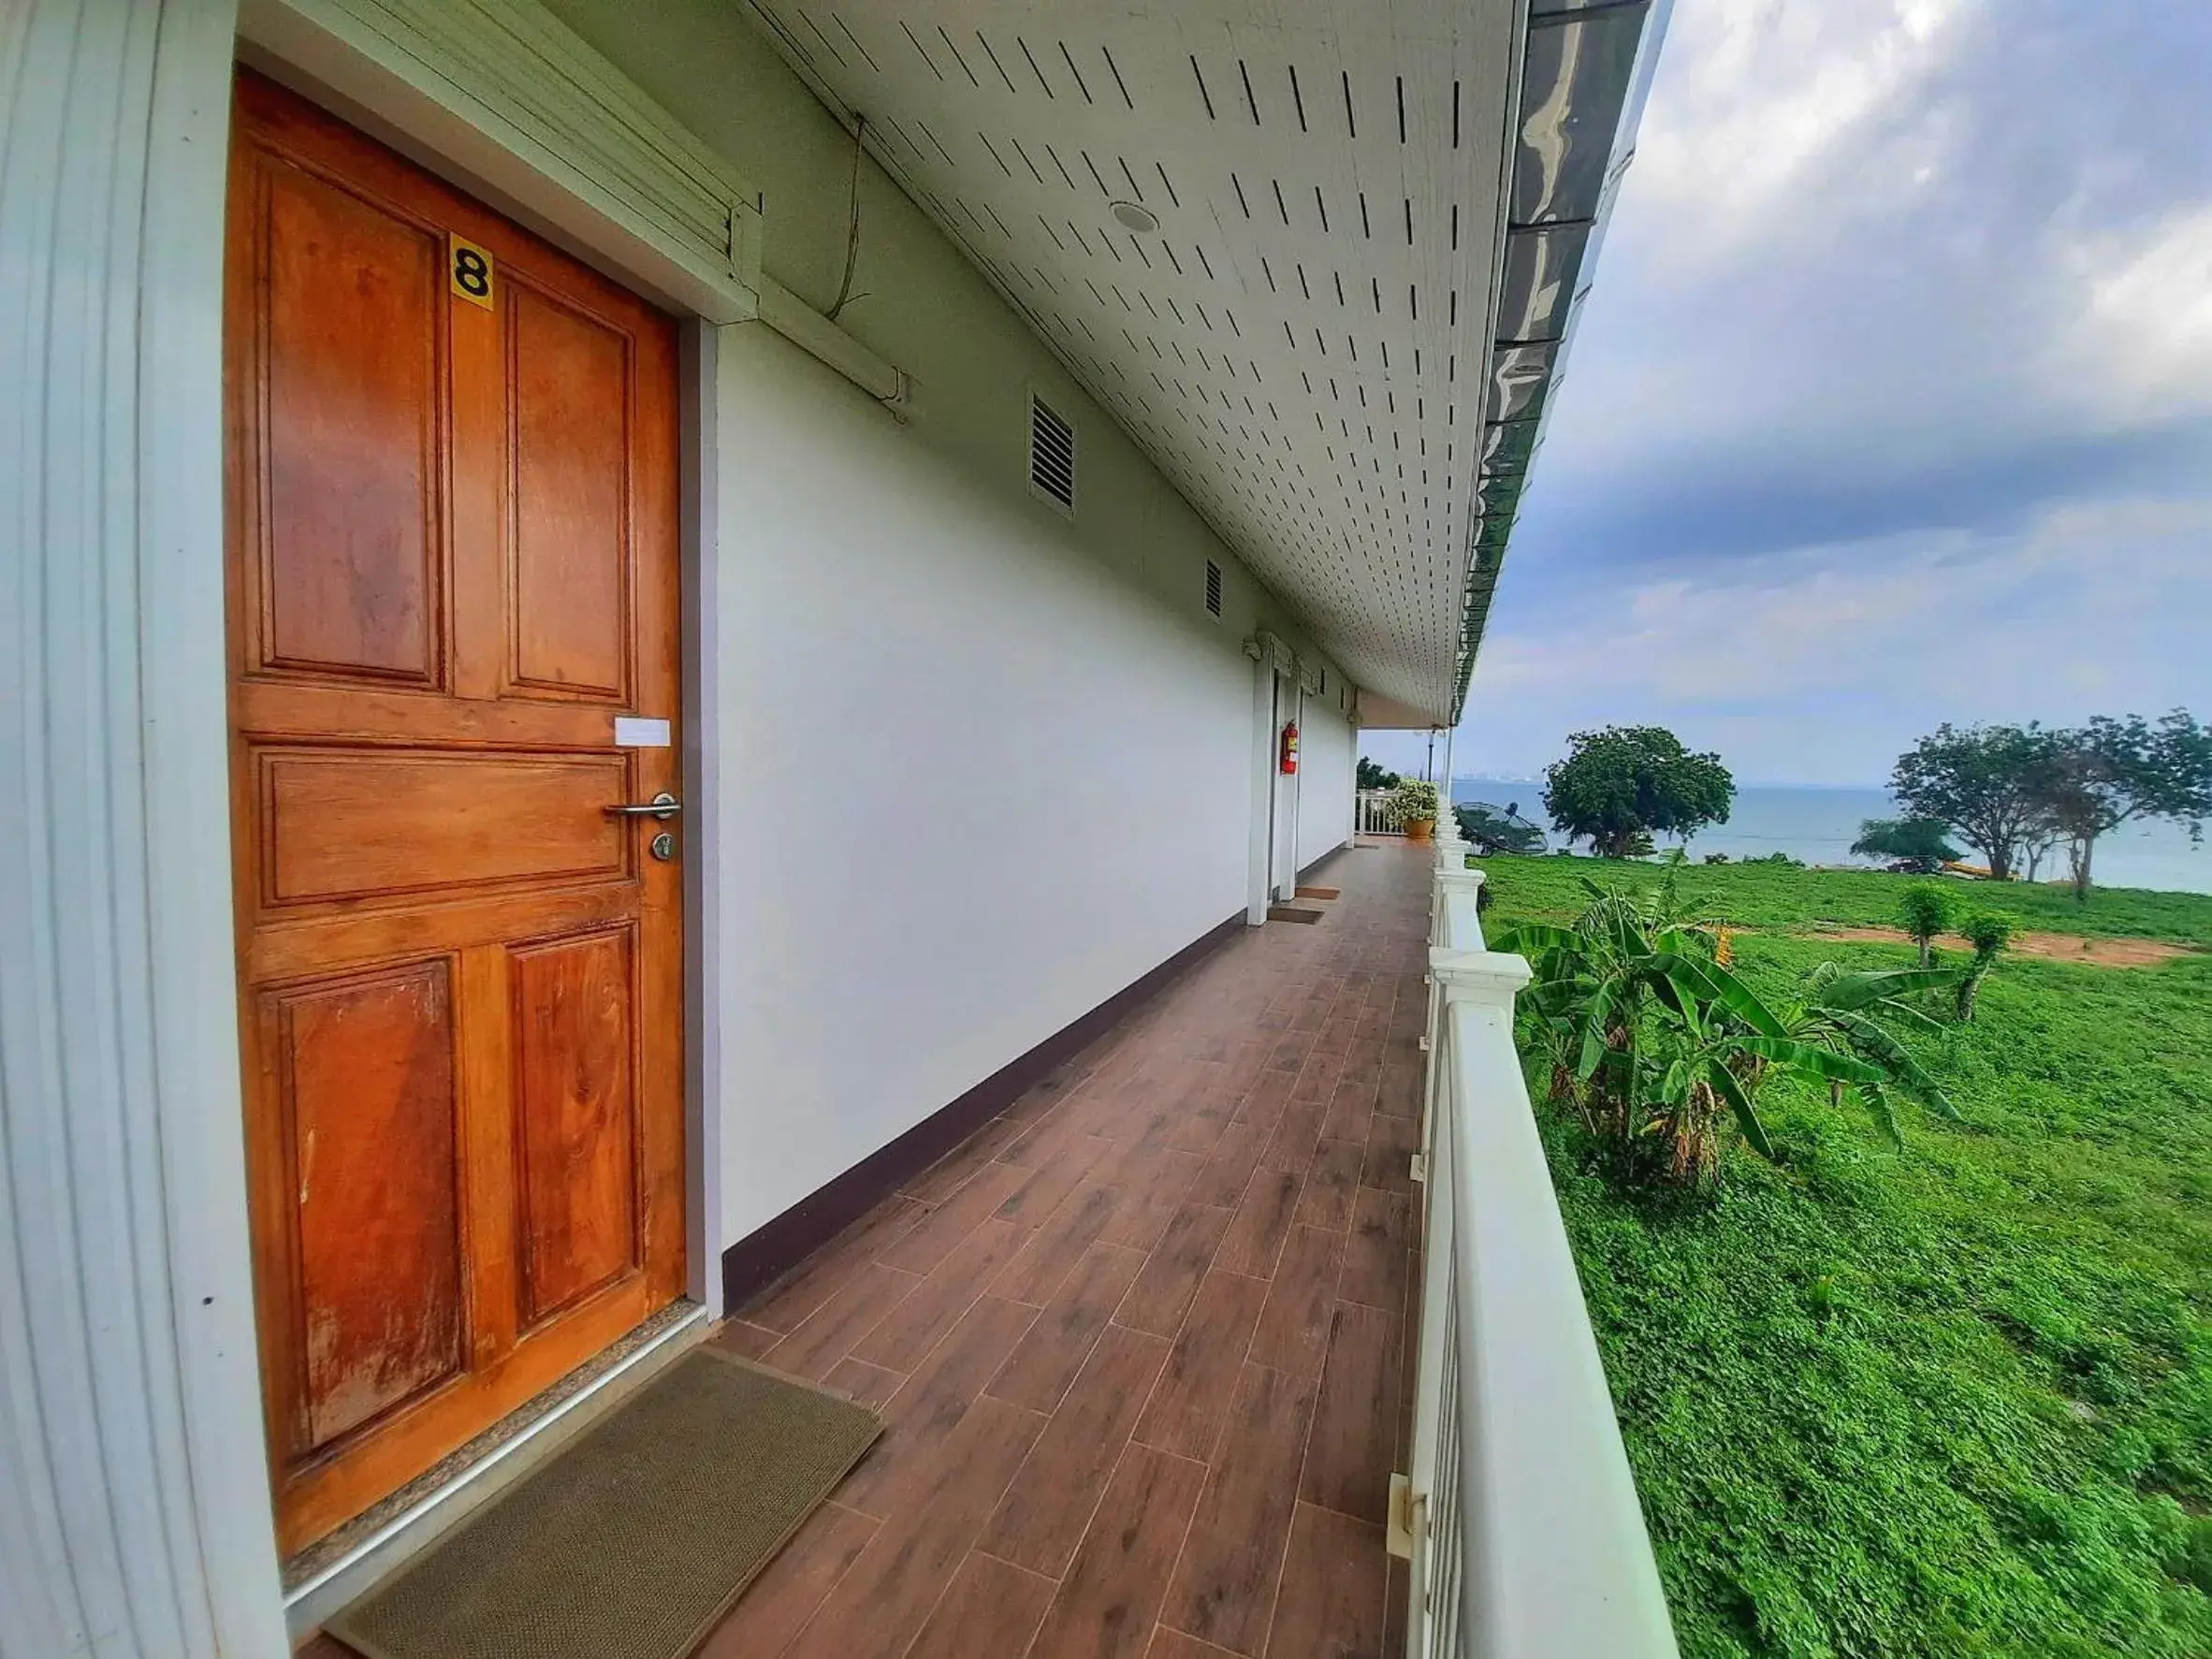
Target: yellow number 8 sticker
[[469, 267]]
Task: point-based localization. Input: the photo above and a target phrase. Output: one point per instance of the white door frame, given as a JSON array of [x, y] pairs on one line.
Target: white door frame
[[133, 1379]]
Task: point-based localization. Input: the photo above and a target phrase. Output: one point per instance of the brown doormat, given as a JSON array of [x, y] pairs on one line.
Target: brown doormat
[[1292, 913], [633, 1541]]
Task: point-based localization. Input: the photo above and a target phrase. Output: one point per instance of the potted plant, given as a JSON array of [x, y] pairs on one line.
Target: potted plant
[[1415, 801]]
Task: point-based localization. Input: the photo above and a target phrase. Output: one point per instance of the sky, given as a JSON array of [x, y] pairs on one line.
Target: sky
[[1891, 403]]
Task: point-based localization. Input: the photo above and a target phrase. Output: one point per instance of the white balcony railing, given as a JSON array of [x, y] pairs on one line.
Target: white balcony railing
[[1519, 1514], [1378, 813]]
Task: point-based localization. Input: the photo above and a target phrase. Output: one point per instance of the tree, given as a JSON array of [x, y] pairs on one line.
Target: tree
[[2111, 771], [1627, 781], [1985, 781], [1374, 777], [1926, 911], [1916, 842], [1988, 934]]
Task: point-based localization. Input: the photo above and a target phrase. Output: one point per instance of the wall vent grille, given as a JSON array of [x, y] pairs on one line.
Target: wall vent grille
[[1051, 455], [1212, 588]]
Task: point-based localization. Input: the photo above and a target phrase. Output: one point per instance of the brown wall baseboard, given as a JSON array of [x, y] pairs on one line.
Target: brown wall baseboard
[[764, 1255]]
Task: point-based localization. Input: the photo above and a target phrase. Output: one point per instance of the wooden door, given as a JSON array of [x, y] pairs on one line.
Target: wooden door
[[452, 498]]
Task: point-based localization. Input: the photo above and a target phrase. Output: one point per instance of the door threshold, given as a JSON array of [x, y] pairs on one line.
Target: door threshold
[[337, 1569]]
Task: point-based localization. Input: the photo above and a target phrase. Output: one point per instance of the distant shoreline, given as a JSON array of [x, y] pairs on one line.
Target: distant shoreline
[[1816, 824]]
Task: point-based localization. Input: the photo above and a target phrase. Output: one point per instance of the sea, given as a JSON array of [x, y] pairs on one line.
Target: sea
[[1817, 826]]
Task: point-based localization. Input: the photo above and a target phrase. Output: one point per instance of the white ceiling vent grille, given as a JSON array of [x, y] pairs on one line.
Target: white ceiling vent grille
[[1052, 456], [1212, 588]]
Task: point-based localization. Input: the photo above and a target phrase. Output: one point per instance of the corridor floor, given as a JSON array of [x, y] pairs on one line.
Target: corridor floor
[[1139, 1343]]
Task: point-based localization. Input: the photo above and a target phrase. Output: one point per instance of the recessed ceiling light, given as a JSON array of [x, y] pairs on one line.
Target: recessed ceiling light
[[1136, 216]]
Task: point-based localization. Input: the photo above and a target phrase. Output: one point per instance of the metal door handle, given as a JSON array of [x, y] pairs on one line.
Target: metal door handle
[[661, 805]]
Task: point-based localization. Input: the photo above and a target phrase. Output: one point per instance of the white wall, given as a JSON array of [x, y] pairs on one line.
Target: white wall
[[1061, 804], [979, 767], [1325, 760]]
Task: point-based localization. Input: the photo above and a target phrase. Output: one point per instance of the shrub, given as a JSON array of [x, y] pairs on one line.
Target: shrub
[[1926, 911], [1988, 934], [1417, 798]]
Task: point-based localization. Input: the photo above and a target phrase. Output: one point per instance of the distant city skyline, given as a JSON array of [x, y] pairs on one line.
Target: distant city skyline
[[1892, 400]]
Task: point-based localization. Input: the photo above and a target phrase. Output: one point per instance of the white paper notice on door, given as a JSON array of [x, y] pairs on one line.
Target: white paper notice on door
[[635, 732]]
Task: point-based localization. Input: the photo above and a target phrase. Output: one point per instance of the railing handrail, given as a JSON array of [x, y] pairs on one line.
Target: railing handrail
[[1528, 1539]]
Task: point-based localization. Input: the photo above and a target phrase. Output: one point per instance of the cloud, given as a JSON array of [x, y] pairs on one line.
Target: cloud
[[2142, 341], [1892, 401]]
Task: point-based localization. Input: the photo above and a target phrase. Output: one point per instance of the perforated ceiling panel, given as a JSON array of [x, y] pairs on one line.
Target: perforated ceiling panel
[[1268, 247]]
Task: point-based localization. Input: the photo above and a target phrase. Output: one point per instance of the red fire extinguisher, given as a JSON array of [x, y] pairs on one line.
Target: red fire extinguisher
[[1289, 762]]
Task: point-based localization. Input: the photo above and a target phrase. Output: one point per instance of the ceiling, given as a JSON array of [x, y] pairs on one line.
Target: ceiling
[[1267, 237]]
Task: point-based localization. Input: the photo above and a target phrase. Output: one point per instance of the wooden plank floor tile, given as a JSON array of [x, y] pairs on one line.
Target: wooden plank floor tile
[[940, 1233], [828, 1333], [894, 1584], [1225, 1588], [1149, 1184], [990, 1607], [1173, 1644], [1354, 1443], [1293, 1330], [784, 1305], [1391, 1142], [1335, 1575], [1228, 1170], [1298, 1132], [1255, 1235], [1331, 1180], [1051, 1252], [904, 1335], [1040, 1193], [1163, 1291], [871, 1385], [1042, 1518], [778, 1603], [1111, 1593], [1351, 1107], [1378, 1253], [745, 1339], [1188, 1405], [927, 1412], [1046, 1362]]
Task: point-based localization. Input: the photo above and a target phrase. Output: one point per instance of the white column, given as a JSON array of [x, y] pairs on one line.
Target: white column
[[1451, 850], [134, 1500], [1260, 876], [1296, 785]]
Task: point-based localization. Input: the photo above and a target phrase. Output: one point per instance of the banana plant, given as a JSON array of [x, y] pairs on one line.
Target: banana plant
[[1657, 1040]]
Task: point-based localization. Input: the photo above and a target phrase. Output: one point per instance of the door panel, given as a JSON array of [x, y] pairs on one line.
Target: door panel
[[394, 823], [453, 565], [366, 1078], [350, 531], [576, 1125], [572, 612]]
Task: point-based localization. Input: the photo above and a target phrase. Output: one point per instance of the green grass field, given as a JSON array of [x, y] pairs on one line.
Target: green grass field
[[1956, 1400]]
